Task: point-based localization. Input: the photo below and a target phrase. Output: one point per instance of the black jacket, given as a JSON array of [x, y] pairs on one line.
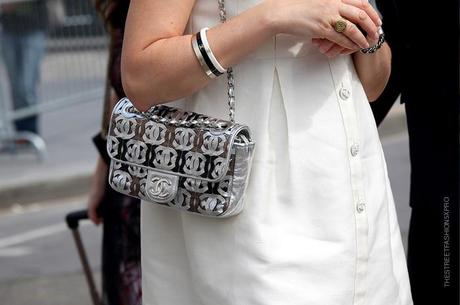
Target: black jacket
[[423, 36]]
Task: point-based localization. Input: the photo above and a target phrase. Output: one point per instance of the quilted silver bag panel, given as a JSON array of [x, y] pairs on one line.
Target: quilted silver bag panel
[[179, 159]]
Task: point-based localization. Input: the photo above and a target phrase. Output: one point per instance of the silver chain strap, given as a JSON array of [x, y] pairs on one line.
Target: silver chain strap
[[230, 80]]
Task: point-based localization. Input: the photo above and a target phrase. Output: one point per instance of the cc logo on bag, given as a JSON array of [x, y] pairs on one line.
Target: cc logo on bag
[[194, 163], [196, 185], [121, 181], [220, 165], [183, 138], [154, 133], [161, 187], [213, 144], [211, 204], [136, 151], [165, 157], [124, 127]]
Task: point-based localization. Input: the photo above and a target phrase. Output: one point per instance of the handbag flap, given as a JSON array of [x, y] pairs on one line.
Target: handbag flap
[[204, 153]]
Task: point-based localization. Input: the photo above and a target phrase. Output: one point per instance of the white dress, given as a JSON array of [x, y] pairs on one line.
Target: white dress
[[319, 225]]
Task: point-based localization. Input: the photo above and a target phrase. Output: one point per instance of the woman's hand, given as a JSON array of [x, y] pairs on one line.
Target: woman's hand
[[331, 49], [97, 191], [315, 19]]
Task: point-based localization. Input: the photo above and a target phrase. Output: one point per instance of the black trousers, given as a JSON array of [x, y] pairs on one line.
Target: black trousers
[[433, 253], [433, 241]]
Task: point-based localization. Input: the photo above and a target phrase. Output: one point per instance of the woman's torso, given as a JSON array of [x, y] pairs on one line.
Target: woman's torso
[[300, 238]]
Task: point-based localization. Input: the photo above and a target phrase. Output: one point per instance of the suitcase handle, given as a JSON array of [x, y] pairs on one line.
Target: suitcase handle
[[73, 219]]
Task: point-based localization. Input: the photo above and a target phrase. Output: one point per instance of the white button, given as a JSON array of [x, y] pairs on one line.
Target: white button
[[344, 93], [360, 207], [354, 149]]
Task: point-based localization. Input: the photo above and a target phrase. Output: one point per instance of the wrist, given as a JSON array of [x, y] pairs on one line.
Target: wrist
[[373, 70], [268, 17]]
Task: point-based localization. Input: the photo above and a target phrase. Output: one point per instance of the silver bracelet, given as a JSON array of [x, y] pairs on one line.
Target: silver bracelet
[[377, 45]]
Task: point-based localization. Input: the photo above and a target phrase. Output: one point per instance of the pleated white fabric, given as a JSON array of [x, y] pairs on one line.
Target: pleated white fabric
[[319, 226]]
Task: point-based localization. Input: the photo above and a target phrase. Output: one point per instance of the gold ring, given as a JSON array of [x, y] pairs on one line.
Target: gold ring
[[340, 26]]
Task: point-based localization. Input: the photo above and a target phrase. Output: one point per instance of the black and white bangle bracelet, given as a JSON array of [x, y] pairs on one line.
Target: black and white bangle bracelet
[[200, 58], [377, 45], [203, 52], [208, 50]]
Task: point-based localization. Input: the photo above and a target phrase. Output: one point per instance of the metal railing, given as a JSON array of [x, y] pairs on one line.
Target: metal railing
[[72, 69]]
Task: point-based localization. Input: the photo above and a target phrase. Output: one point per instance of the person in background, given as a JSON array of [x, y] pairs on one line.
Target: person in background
[[24, 26], [120, 214], [425, 72]]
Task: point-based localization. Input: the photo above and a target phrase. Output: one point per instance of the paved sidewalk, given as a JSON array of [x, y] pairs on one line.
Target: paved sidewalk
[[395, 122], [61, 289], [72, 156]]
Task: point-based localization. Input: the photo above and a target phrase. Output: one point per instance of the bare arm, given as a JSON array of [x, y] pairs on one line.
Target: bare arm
[[158, 63], [156, 53], [373, 70], [97, 190]]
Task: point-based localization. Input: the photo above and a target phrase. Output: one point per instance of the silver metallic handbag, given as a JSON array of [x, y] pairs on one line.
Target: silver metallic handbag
[[179, 159]]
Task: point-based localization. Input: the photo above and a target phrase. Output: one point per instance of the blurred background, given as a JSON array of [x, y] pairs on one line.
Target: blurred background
[[47, 157]]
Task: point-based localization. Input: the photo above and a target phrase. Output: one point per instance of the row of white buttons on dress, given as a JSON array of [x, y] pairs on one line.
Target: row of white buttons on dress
[[341, 75], [345, 94]]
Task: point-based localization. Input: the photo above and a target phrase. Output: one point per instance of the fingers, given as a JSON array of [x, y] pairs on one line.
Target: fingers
[[353, 39], [329, 48], [364, 5], [325, 45], [347, 52], [334, 51], [351, 33], [358, 16], [361, 18], [92, 215]]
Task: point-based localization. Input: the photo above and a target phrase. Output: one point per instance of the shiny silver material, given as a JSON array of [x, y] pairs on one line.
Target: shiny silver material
[[165, 157], [230, 80], [202, 170], [121, 181], [213, 144], [161, 187], [241, 172]]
